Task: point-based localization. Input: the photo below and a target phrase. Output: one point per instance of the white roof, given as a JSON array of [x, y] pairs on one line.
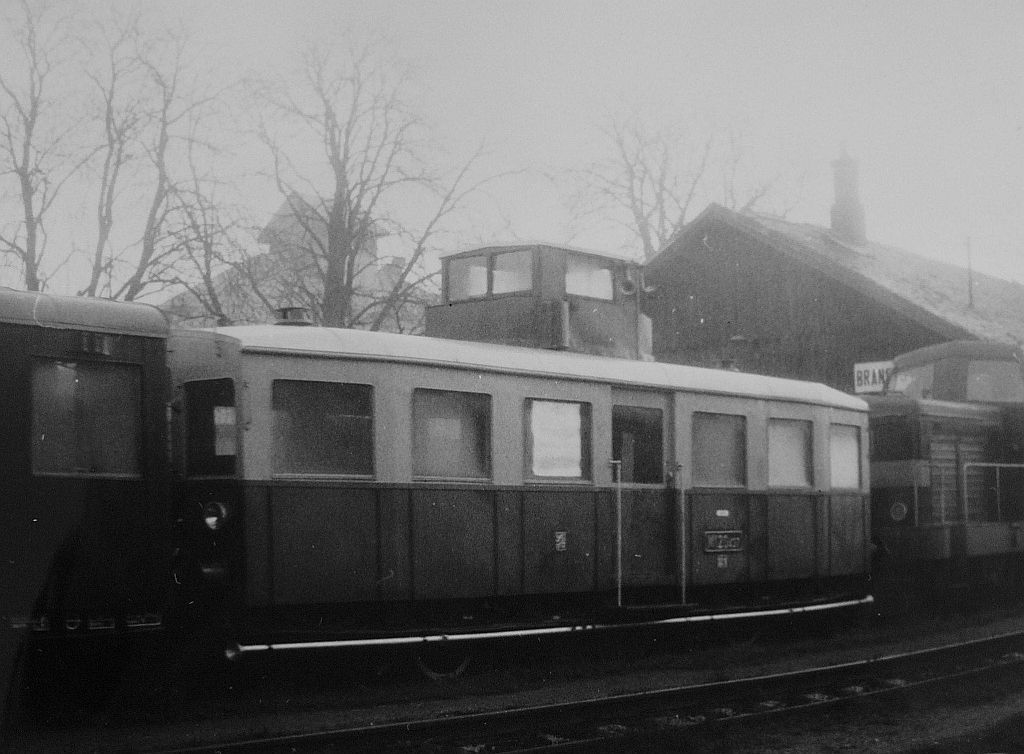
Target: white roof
[[338, 343], [617, 256]]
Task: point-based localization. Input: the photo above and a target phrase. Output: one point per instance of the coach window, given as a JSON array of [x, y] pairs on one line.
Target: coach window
[[637, 444], [467, 278], [451, 434], [322, 428], [211, 442], [558, 439], [585, 276], [844, 456], [513, 272], [86, 418], [719, 450], [789, 453]]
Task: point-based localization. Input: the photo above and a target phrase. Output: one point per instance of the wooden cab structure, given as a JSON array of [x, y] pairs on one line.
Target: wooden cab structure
[[543, 296], [349, 488]]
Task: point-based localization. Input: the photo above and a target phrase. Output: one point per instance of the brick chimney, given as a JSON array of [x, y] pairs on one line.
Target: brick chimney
[[847, 212]]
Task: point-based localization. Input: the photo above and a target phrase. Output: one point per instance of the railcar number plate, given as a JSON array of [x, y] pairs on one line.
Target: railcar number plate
[[723, 541]]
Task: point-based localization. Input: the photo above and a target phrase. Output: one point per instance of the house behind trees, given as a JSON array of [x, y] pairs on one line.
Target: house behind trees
[[288, 273]]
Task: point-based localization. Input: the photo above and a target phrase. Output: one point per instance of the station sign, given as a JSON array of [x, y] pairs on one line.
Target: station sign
[[870, 376]]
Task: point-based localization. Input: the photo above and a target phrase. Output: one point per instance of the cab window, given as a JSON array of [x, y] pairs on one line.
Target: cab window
[[513, 272], [990, 380], [467, 278], [914, 382], [585, 276], [86, 418]]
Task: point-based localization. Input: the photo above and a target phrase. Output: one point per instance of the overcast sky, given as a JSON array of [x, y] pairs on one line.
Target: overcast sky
[[927, 96]]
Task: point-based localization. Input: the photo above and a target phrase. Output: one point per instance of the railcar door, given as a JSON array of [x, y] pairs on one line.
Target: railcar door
[[645, 501]]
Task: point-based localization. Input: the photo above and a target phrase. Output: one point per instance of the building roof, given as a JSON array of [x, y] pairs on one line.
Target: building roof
[[329, 342], [931, 292]]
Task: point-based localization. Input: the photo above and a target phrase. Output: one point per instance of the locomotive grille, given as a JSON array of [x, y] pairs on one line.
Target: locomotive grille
[[948, 454]]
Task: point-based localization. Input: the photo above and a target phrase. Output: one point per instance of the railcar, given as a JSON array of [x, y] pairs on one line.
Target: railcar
[[85, 514], [947, 464], [346, 488]]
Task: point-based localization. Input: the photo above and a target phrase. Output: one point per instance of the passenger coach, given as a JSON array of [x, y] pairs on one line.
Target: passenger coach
[[85, 515], [345, 487]]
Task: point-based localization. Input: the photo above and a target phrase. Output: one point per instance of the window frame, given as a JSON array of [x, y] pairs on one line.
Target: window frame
[[487, 278], [858, 434], [492, 264], [661, 442], [273, 459], [488, 475], [187, 459], [141, 440], [743, 446], [808, 451], [600, 263], [586, 444]]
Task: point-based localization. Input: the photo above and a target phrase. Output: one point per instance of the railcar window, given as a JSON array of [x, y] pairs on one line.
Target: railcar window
[[989, 380], [789, 453], [322, 428], [844, 456], [467, 278], [914, 382], [451, 434], [513, 272], [211, 434], [637, 443], [719, 450], [86, 418], [588, 277], [558, 439]]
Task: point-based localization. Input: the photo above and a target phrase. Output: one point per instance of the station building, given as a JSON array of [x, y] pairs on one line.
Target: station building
[[764, 295]]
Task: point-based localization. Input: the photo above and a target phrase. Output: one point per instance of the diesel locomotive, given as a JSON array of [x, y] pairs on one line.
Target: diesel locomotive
[[947, 464]]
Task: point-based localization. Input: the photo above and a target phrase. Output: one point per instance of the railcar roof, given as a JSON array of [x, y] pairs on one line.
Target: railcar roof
[[338, 342], [81, 313]]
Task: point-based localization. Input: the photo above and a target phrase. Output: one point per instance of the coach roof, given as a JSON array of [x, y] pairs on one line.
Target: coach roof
[[81, 313], [328, 342]]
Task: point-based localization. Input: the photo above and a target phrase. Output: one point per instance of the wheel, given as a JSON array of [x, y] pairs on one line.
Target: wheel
[[442, 662]]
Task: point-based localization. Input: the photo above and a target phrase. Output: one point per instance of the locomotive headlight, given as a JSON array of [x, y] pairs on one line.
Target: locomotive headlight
[[215, 515]]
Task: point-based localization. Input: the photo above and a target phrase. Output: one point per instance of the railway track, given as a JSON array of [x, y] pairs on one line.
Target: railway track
[[584, 725]]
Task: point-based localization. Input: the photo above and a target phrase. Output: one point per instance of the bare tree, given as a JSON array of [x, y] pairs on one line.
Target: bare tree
[[644, 185], [652, 181], [38, 151], [340, 200], [116, 82], [174, 118]]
